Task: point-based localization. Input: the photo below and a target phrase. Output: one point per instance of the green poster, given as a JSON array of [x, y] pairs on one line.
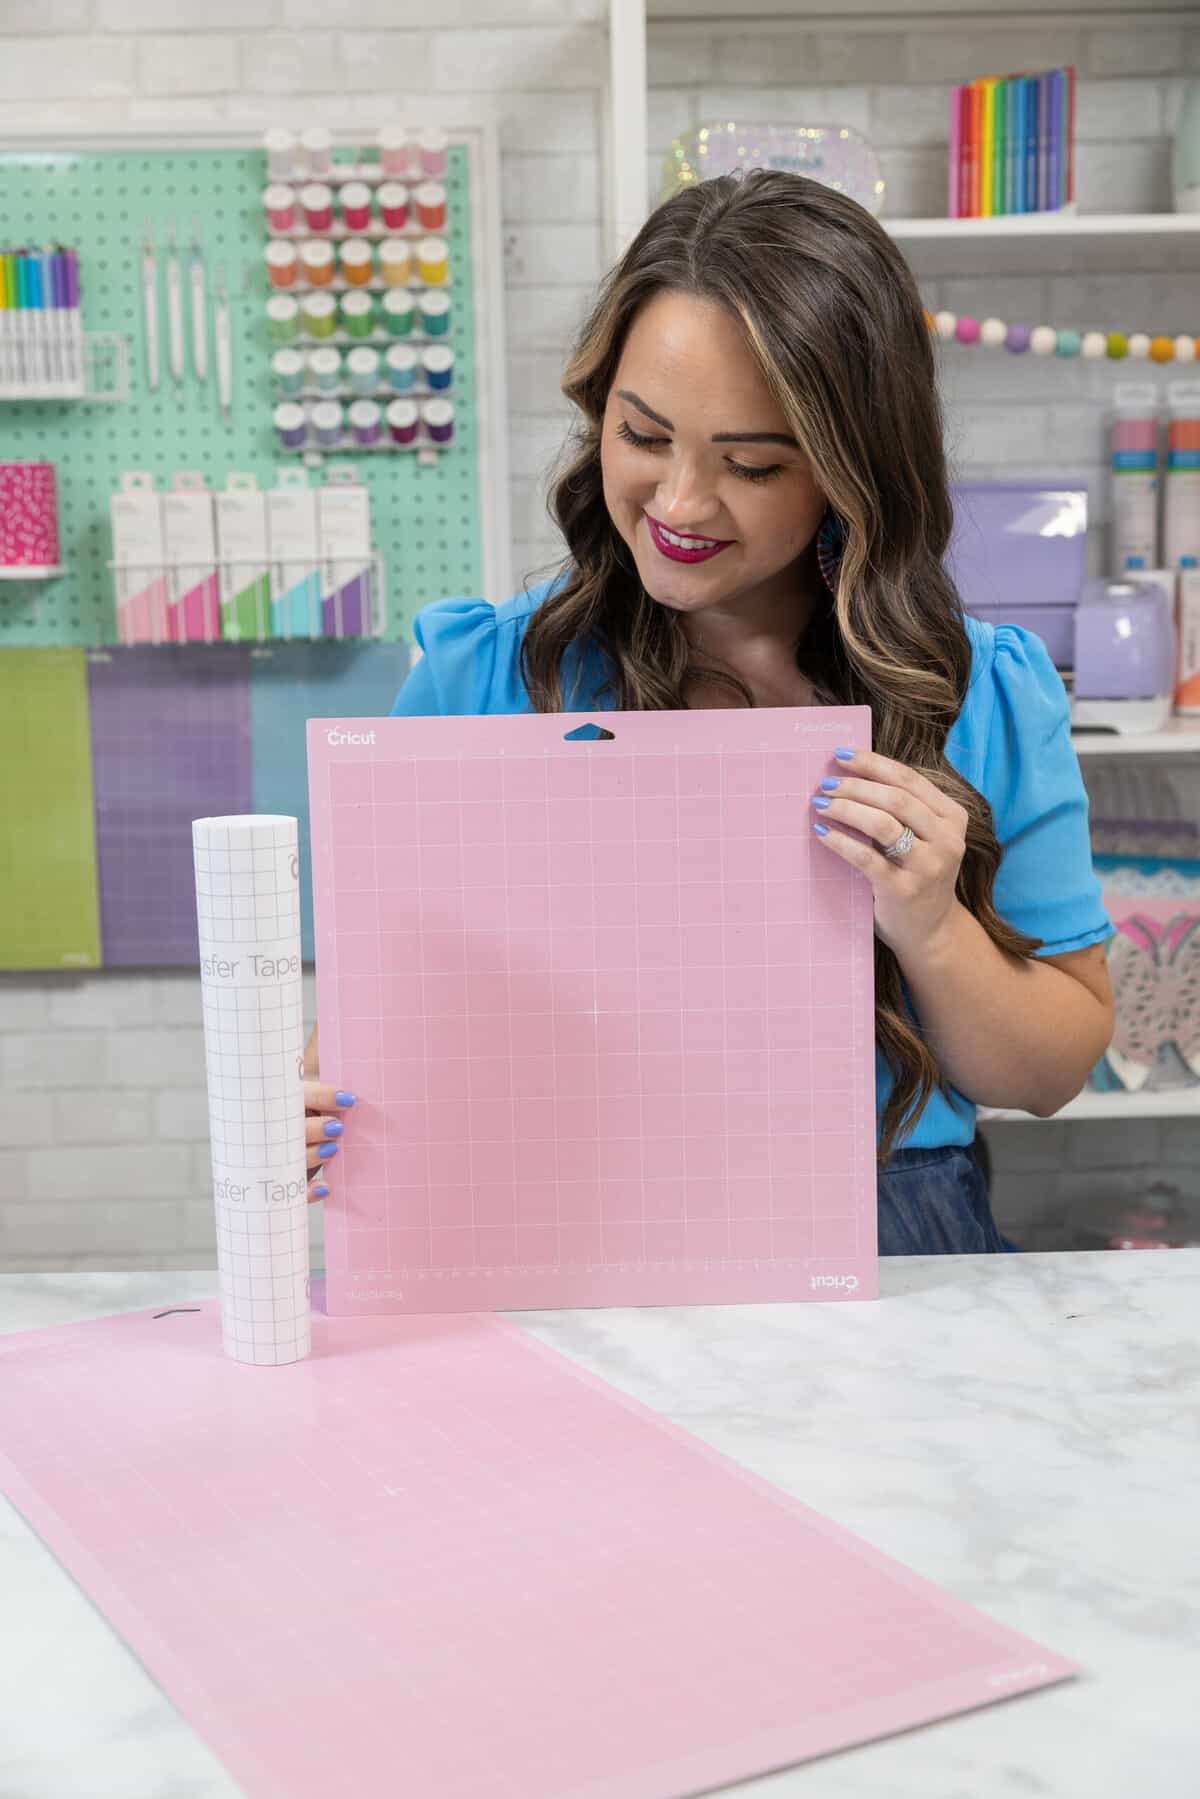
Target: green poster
[[49, 903]]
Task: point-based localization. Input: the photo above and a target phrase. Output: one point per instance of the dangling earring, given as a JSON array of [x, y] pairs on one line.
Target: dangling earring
[[831, 541]]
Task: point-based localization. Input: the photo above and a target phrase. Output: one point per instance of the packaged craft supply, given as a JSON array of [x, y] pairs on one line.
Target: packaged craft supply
[[316, 261], [1181, 485], [433, 265], [344, 528], [1187, 691], [139, 560], [434, 310], [291, 425], [190, 545], [1134, 478], [295, 563], [241, 517]]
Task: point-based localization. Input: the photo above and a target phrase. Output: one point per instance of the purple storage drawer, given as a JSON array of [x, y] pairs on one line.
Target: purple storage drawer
[[1018, 554]]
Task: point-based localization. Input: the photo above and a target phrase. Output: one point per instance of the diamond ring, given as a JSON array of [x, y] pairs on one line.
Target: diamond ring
[[902, 845]]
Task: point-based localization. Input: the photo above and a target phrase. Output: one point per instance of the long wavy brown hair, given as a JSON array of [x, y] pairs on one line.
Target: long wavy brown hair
[[832, 316]]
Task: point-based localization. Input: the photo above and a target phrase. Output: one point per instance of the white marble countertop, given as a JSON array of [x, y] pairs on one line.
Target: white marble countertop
[[1023, 1429]]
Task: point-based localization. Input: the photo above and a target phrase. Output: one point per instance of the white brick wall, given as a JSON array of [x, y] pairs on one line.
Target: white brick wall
[[102, 1153]]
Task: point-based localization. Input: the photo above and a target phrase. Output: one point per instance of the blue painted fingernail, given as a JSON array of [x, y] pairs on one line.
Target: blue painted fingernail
[[820, 829], [822, 805], [829, 783], [321, 1192], [327, 1149], [343, 1099], [844, 755], [334, 1127]]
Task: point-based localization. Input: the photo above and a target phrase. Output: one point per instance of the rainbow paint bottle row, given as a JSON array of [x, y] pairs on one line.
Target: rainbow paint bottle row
[[317, 263], [328, 425], [355, 209], [364, 373], [241, 564], [402, 152]]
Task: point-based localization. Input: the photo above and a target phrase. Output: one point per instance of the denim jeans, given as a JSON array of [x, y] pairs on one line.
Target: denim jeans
[[934, 1202]]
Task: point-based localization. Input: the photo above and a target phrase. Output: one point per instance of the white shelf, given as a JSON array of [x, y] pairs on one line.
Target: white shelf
[[1179, 737], [1049, 240], [33, 573], [1178, 1102]]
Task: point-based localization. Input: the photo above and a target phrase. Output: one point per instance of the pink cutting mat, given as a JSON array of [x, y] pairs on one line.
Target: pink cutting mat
[[439, 1559], [607, 1008]]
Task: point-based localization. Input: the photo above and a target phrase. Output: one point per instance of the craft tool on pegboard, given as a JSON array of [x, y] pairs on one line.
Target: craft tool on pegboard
[[439, 530]]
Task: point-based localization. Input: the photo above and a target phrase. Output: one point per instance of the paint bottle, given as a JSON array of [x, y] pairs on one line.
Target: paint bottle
[[430, 202], [291, 423], [435, 313], [280, 202], [327, 423], [365, 423], [362, 366], [395, 261], [288, 368], [283, 317], [325, 368], [402, 419], [356, 206], [437, 416], [433, 144], [356, 261], [316, 262], [319, 313], [1134, 478], [396, 150], [397, 310], [432, 261], [393, 205], [438, 364], [317, 202], [1181, 486], [280, 146], [358, 314], [282, 263], [316, 147], [401, 368]]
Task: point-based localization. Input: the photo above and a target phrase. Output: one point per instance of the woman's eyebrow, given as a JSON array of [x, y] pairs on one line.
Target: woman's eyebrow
[[719, 437]]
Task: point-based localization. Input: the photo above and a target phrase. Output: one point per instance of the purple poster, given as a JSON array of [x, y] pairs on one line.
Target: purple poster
[[170, 743]]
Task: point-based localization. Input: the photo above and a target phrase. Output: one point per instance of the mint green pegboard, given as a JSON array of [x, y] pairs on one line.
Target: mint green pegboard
[[424, 520]]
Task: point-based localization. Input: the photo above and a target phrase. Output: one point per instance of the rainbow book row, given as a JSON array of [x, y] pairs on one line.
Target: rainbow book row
[[1012, 144], [96, 815]]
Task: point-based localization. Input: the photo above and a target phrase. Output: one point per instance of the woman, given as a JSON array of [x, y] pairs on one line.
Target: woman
[[756, 512]]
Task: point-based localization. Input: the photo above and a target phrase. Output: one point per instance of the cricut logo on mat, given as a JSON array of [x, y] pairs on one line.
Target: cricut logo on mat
[[366, 738], [847, 1281]]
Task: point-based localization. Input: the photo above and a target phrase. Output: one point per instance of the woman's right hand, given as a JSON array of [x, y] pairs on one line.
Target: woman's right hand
[[322, 1130]]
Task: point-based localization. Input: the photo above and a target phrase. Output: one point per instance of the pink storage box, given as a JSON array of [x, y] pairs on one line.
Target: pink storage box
[[28, 515]]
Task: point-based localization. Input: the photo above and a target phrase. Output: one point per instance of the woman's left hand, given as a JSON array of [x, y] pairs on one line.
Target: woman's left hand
[[914, 893]]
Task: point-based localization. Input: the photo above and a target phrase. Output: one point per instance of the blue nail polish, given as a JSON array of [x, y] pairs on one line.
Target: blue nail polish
[[334, 1127], [327, 1149], [844, 755], [822, 805], [344, 1099], [829, 783], [820, 829], [321, 1192]]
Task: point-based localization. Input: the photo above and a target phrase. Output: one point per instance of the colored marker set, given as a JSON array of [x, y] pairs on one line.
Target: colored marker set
[[41, 330], [241, 564]]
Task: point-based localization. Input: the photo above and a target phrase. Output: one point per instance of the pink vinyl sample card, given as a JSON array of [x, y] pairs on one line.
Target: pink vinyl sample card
[[436, 1559], [607, 1008]]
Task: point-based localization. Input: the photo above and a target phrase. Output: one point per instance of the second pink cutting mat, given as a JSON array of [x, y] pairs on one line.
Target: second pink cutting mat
[[607, 1007]]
